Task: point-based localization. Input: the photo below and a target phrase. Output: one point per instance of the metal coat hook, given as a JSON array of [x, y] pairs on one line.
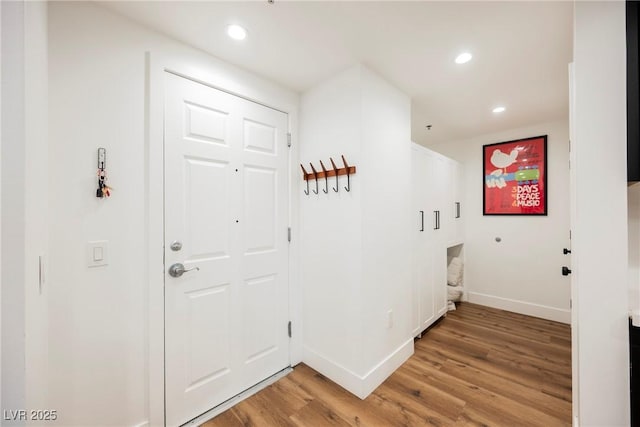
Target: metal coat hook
[[346, 166], [326, 174], [335, 170], [304, 171], [326, 178], [315, 175]]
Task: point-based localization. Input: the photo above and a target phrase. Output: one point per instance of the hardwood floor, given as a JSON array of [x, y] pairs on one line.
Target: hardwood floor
[[477, 367]]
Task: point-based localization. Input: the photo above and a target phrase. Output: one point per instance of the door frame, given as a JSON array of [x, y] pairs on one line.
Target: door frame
[[214, 73], [575, 355]]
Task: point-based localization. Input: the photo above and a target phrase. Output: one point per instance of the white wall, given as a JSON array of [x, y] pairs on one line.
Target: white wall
[[99, 317], [36, 206], [522, 272], [13, 244], [24, 238], [355, 260], [1, 138], [600, 235], [386, 218], [331, 231]]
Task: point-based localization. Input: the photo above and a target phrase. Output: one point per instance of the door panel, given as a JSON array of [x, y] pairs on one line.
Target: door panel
[[207, 362], [226, 200], [206, 124], [206, 220], [261, 211]]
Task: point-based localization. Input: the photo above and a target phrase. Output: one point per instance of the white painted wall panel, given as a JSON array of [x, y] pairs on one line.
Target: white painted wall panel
[[386, 217], [600, 230], [355, 260], [331, 232]]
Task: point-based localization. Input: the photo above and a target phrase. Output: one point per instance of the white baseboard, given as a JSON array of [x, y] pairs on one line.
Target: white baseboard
[[386, 367], [337, 373], [522, 307], [358, 385]]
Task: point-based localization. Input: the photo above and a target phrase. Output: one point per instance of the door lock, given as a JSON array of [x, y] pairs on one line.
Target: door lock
[[177, 270], [566, 271], [566, 251]]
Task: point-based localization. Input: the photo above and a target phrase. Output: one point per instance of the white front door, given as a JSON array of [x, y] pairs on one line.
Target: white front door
[[226, 217]]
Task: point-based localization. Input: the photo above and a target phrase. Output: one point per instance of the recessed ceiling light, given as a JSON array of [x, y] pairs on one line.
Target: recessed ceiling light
[[236, 32], [463, 58], [499, 109]]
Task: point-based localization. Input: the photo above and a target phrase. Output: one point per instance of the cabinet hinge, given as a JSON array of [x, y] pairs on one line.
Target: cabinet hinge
[[289, 139], [289, 328], [288, 234]]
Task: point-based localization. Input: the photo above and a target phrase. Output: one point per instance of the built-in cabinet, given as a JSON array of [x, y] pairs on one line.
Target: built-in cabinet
[[438, 214]]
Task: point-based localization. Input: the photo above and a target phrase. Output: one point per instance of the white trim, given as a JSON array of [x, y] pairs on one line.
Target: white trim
[[522, 307], [142, 424], [387, 366], [217, 74], [359, 385], [340, 375]]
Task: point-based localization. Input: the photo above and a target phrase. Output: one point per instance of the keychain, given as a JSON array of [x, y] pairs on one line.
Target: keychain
[[103, 190]]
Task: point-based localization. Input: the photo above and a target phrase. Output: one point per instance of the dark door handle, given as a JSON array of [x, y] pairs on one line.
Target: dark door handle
[[421, 220], [566, 271], [566, 251]]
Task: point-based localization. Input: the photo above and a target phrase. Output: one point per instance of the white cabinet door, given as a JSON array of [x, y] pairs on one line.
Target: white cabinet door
[[423, 304], [226, 204], [433, 192], [456, 183], [440, 166]]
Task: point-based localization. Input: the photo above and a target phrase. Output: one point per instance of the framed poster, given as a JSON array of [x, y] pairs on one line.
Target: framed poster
[[515, 177]]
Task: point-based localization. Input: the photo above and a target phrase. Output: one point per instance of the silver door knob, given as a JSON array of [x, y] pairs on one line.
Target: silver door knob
[[177, 270]]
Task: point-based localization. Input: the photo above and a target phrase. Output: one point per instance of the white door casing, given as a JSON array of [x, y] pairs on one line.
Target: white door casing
[[226, 202], [575, 379]]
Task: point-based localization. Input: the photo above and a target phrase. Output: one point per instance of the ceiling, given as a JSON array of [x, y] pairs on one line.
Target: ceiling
[[521, 51]]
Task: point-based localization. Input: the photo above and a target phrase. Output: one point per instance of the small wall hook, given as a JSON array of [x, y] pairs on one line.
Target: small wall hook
[[335, 170], [315, 175], [326, 178], [346, 166], [304, 172]]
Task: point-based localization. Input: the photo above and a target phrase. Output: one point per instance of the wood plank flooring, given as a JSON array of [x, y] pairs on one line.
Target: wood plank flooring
[[477, 367]]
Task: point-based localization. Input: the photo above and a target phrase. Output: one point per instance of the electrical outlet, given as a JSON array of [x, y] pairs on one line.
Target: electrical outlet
[[389, 319]]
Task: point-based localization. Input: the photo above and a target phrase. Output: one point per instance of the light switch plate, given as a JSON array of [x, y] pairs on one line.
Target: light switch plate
[[97, 253]]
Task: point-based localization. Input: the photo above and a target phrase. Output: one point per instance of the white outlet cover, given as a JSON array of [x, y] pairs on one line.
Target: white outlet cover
[[97, 253]]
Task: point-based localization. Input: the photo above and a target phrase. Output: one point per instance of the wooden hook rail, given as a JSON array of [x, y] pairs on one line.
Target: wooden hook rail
[[346, 170]]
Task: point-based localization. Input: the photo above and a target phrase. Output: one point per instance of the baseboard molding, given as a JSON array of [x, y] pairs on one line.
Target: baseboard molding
[[337, 373], [522, 307], [386, 367], [358, 385]]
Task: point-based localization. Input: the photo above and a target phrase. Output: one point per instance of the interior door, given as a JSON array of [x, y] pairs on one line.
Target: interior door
[[226, 217]]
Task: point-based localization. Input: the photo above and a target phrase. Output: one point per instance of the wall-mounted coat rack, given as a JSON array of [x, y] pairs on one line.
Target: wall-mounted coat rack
[[326, 173]]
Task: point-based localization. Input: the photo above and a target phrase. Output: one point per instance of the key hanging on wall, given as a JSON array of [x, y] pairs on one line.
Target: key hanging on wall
[[103, 189]]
